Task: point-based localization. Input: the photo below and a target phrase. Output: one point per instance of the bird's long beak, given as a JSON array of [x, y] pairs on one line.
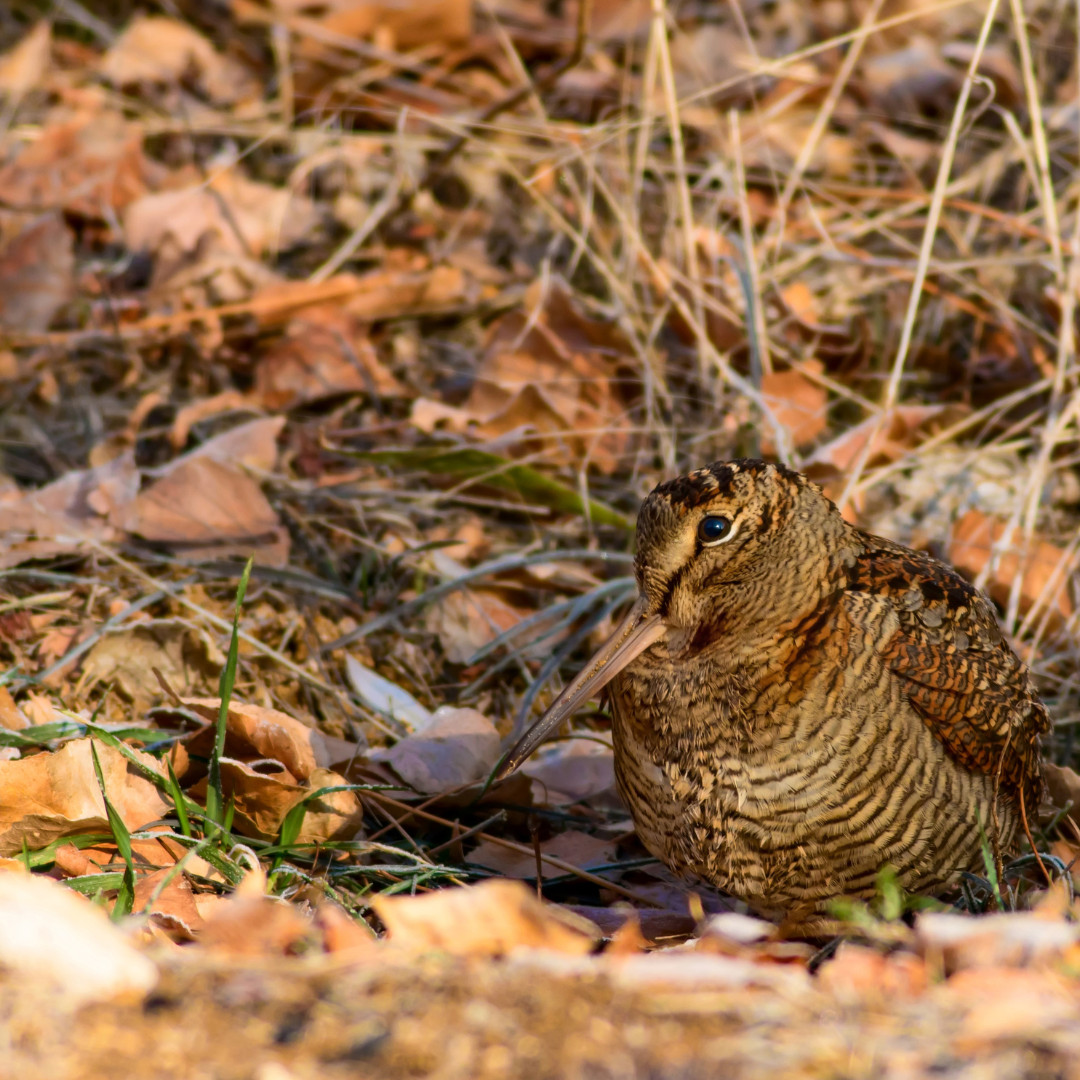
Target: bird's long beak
[[633, 636]]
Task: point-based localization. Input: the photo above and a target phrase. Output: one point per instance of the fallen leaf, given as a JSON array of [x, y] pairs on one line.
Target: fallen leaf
[[12, 717], [571, 771], [256, 218], [184, 653], [900, 432], [575, 847], [469, 619], [489, 919], [264, 733], [398, 26], [797, 403], [549, 370], [857, 974], [261, 792], [153, 49], [174, 910], [37, 274], [252, 445], [1063, 787], [1044, 569], [253, 926], [1014, 939], [459, 746], [49, 796], [336, 816], [325, 352], [91, 165], [384, 697], [57, 518], [23, 67], [47, 931], [342, 933], [208, 509]]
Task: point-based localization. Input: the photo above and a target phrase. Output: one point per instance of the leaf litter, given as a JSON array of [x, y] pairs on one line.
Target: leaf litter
[[413, 303]]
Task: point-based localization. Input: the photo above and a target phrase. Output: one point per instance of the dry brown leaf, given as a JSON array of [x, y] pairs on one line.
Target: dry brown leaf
[[325, 352], [12, 717], [1044, 567], [901, 432], [1015, 939], [57, 518], [549, 370], [575, 847], [396, 25], [91, 165], [490, 919], [256, 731], [336, 816], [262, 793], [209, 509], [342, 933], [37, 274], [568, 772], [1063, 787], [246, 925], [49, 796], [23, 67], [177, 223], [153, 49], [469, 619], [458, 746], [250, 446], [185, 654], [797, 403], [175, 910], [858, 973]]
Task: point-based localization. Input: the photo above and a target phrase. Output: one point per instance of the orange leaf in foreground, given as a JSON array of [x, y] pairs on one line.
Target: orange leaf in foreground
[[47, 796], [489, 919], [1044, 568]]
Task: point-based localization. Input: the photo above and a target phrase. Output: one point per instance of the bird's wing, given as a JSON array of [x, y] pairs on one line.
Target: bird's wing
[[959, 673]]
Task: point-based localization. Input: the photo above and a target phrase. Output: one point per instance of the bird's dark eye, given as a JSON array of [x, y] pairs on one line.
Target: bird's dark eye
[[712, 529]]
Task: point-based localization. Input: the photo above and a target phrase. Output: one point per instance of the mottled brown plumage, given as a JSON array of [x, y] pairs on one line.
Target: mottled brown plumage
[[797, 703]]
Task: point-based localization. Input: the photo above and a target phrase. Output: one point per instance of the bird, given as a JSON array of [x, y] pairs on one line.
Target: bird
[[797, 704]]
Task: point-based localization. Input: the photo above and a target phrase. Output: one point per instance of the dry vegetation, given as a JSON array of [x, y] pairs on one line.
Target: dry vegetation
[[413, 302]]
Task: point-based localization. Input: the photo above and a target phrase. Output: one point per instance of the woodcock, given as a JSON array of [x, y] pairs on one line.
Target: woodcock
[[796, 703]]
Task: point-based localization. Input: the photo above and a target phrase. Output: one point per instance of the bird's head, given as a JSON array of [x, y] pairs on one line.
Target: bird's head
[[738, 545]]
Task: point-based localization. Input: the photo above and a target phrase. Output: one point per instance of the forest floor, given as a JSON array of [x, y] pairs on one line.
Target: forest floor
[[411, 304]]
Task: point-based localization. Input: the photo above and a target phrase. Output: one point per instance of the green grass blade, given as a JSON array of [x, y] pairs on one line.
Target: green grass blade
[[988, 862], [467, 462], [178, 800], [92, 884], [126, 896], [215, 797]]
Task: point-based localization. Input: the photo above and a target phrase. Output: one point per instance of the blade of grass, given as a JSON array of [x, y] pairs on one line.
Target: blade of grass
[[178, 800], [122, 837], [215, 798], [989, 863]]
